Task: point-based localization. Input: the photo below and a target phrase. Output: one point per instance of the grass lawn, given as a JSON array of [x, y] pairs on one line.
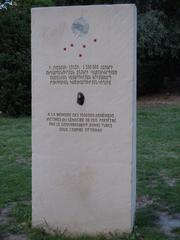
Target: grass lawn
[[158, 178]]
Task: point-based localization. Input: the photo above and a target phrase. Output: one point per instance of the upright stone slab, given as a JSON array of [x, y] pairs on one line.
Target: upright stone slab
[[83, 118]]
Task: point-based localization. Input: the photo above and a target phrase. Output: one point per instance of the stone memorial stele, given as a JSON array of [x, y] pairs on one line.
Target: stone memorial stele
[[84, 118]]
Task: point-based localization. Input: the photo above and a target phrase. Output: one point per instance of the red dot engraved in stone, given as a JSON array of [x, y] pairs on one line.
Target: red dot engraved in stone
[[95, 40], [72, 45], [84, 46], [65, 49], [80, 55]]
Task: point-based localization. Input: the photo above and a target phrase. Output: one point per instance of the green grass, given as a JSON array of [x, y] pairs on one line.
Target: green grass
[[158, 175], [159, 155], [15, 155]]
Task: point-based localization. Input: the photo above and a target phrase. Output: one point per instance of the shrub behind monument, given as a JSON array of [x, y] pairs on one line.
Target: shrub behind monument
[[15, 58]]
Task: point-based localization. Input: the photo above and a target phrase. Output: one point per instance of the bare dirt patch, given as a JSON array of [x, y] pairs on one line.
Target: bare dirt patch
[[159, 99], [23, 160], [5, 218], [15, 237], [144, 201], [168, 223], [152, 183], [4, 213], [171, 182]]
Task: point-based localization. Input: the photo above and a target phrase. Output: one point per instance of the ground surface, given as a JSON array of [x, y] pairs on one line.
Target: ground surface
[[158, 175]]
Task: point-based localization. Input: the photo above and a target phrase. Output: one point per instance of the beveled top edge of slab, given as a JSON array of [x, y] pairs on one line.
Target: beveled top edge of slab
[[126, 5]]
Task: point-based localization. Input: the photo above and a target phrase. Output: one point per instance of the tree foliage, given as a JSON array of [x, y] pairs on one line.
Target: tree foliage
[[158, 45], [15, 58]]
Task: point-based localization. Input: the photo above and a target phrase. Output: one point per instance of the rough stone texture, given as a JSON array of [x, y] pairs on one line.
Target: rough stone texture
[[84, 180]]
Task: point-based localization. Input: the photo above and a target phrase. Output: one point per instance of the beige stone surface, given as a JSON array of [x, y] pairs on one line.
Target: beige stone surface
[[84, 180]]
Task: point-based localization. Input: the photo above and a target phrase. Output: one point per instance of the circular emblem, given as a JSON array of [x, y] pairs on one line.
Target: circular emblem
[[80, 27]]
